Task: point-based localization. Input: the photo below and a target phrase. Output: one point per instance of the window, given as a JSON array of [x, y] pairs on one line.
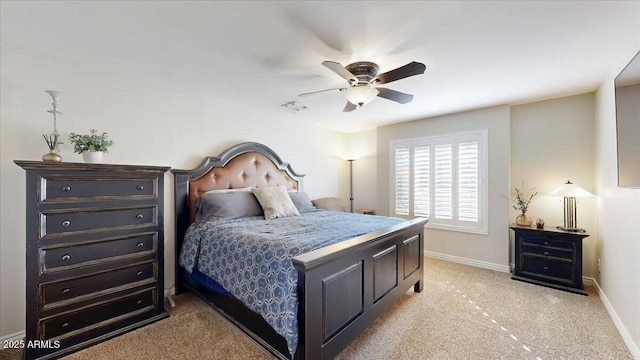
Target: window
[[442, 178]]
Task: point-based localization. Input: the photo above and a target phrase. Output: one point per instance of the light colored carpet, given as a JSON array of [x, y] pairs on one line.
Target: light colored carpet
[[463, 313]]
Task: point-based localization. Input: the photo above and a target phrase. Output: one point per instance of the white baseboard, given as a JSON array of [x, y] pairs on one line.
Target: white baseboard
[[470, 262], [626, 336], [12, 337]]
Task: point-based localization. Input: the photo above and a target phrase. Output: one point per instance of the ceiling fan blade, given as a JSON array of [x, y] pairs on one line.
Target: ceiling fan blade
[[340, 70], [322, 91], [393, 95], [411, 69], [349, 107]]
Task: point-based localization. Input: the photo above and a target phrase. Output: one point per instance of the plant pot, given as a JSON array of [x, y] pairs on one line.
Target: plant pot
[[523, 220], [92, 156]]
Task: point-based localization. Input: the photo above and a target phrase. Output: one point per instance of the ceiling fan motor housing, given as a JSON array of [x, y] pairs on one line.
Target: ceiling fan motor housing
[[364, 71]]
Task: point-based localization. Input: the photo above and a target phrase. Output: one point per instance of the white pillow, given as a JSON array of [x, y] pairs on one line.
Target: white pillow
[[275, 202]]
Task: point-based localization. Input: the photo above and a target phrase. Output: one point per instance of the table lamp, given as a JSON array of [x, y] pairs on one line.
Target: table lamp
[[570, 191]]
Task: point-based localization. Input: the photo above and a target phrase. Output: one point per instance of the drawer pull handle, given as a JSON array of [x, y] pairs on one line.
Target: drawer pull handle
[[66, 223], [546, 268], [66, 291], [140, 244], [66, 188], [139, 216], [139, 273], [546, 253], [139, 302], [140, 187], [546, 243], [65, 325], [66, 257]]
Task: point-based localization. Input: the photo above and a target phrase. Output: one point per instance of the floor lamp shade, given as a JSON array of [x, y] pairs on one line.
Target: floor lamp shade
[[570, 191]]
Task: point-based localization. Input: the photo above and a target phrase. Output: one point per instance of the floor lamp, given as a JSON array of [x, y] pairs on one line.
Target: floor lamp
[[351, 160], [570, 191]]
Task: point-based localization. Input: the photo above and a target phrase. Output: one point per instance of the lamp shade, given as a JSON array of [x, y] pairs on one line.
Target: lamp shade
[[361, 95], [570, 189]]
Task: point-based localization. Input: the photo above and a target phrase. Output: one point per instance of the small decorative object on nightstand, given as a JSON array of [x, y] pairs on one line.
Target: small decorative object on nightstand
[[549, 257], [366, 211], [540, 223], [52, 139], [521, 203]]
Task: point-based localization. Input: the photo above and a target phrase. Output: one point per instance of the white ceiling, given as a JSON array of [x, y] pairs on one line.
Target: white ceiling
[[264, 53]]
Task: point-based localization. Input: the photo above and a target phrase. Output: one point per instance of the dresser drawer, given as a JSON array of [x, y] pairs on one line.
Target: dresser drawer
[[67, 222], [65, 325], [548, 251], [63, 292], [82, 254], [90, 188], [547, 241], [550, 270]]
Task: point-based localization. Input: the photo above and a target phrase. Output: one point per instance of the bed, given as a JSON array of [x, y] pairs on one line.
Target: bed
[[339, 289]]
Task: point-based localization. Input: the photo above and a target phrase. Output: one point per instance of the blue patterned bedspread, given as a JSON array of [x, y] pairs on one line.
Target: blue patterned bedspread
[[251, 257]]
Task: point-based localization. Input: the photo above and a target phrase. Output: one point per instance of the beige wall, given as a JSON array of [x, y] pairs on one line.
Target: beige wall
[[489, 251], [552, 142], [618, 244], [151, 121]]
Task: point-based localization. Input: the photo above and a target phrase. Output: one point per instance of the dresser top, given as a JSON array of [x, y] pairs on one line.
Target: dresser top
[[66, 166], [549, 229]]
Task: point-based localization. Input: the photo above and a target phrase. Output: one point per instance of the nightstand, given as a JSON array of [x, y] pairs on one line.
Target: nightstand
[[549, 257], [366, 211]]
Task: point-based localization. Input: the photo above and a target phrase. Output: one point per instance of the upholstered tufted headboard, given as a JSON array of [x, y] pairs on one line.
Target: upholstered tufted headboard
[[244, 165]]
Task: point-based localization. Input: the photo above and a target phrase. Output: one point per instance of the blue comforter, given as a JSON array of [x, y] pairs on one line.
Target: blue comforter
[[251, 257]]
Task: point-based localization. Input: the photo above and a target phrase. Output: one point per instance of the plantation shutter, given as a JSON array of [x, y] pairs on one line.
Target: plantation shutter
[[443, 177], [468, 181], [402, 180], [422, 181]]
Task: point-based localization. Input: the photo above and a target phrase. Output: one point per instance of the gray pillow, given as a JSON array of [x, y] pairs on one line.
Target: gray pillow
[[301, 201], [229, 205]]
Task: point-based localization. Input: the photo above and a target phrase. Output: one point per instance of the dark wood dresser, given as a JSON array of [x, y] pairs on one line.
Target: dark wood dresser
[[549, 257], [94, 259]]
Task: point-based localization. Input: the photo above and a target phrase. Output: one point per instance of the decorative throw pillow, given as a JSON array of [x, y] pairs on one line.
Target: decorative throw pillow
[[301, 201], [227, 205], [275, 202], [331, 204]]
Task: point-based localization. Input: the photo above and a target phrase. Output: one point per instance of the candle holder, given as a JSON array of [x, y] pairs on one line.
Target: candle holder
[[52, 139]]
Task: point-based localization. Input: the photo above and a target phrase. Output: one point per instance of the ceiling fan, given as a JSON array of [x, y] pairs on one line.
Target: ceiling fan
[[363, 75]]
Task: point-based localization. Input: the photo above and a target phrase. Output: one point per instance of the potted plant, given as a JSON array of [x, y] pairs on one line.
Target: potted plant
[[522, 202], [91, 146]]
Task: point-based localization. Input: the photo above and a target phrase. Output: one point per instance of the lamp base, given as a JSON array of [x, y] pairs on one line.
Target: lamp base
[[570, 229]]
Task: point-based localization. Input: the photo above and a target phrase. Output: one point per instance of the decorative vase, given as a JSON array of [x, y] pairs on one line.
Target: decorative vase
[[92, 156], [523, 220], [51, 156]]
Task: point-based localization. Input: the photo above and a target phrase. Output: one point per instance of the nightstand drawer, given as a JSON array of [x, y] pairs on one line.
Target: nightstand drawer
[[547, 241], [68, 324], [547, 251], [550, 270], [66, 291], [59, 258], [89, 188], [68, 222]]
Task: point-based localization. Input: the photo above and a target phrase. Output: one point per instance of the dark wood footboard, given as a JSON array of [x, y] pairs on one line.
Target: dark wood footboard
[[343, 288]]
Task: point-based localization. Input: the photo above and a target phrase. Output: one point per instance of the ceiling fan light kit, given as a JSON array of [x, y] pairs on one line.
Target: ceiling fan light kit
[[363, 75], [361, 95]]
